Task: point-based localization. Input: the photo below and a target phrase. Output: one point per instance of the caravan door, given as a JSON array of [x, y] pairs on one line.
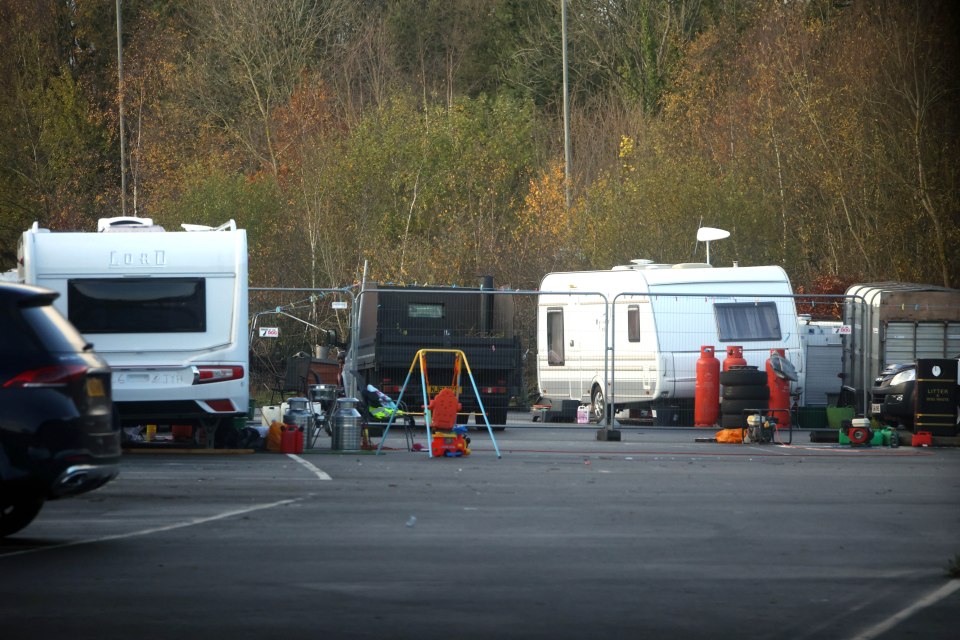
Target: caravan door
[[557, 377]]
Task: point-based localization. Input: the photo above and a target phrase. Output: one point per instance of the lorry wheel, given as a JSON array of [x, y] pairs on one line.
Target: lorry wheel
[[16, 512], [598, 405], [495, 416]]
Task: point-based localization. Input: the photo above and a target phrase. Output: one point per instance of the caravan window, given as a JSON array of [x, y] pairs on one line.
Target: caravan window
[[554, 337], [746, 321], [425, 310], [633, 323], [138, 305]]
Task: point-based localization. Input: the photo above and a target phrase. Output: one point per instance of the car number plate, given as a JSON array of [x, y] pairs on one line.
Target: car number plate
[[95, 388], [434, 389], [875, 408]]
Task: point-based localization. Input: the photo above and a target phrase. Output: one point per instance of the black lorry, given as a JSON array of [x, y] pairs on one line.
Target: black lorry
[[397, 321]]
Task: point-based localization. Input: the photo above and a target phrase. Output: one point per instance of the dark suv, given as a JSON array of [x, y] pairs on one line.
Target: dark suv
[[58, 435], [894, 394]]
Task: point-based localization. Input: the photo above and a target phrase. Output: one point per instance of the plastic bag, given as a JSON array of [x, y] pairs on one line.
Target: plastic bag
[[730, 436], [273, 436]]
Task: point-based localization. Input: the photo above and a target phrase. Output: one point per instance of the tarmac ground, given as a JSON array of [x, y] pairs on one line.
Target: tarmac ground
[[561, 536]]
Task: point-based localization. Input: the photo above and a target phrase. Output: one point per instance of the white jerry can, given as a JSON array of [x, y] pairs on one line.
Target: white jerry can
[[583, 414]]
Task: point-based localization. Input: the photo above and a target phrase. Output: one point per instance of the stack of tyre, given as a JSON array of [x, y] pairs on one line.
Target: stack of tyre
[[743, 388]]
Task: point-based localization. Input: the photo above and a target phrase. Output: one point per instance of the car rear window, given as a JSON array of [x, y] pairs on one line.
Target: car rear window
[[38, 329]]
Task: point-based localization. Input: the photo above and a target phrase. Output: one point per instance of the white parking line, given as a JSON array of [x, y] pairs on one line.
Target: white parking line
[[322, 475], [932, 598], [146, 532]]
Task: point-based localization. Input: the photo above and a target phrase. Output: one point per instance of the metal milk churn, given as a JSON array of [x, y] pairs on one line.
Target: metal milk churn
[[346, 425], [299, 415]]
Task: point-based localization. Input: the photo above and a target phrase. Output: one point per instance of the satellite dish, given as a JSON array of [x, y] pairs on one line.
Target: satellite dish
[[706, 234], [782, 367]]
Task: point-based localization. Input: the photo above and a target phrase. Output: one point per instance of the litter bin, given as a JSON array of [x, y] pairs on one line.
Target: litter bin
[[346, 425]]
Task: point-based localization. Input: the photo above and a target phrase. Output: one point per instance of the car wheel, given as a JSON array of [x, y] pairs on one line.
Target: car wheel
[[495, 416], [598, 405], [16, 512]]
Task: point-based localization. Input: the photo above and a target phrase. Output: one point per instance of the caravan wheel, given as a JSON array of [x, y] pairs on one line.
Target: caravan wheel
[[598, 405]]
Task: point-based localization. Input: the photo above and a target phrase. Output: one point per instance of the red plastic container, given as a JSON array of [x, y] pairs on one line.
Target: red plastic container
[[922, 439], [288, 439]]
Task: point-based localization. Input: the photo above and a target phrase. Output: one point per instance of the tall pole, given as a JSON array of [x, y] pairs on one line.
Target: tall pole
[[566, 103], [123, 135]]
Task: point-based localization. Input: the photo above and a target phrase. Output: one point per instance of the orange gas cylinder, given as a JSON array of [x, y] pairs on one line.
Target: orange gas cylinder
[[779, 392], [706, 406], [734, 358]]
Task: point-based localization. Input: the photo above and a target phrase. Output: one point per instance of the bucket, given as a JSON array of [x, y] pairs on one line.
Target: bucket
[[583, 414], [837, 415]]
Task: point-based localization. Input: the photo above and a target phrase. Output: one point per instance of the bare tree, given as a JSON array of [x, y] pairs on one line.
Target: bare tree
[[249, 59]]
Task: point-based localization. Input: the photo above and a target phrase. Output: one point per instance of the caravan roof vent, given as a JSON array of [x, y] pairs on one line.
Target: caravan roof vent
[[127, 223], [640, 263], [229, 225]]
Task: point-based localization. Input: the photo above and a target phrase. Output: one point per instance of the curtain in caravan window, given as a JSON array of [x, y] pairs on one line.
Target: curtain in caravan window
[[554, 337], [633, 323], [746, 321], [138, 305]]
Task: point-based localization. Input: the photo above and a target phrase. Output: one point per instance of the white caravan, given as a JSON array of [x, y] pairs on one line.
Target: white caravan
[[662, 316], [166, 309]]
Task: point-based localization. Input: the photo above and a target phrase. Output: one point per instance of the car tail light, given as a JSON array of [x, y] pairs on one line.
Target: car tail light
[[55, 376], [205, 374]]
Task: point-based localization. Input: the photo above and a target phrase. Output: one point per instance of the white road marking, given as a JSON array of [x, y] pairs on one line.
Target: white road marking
[[932, 598], [322, 475], [146, 532]]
